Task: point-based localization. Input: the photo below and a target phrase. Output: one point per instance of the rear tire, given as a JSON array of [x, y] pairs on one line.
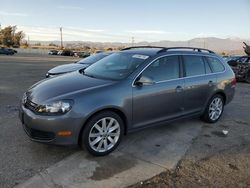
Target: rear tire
[[214, 109], [103, 133]]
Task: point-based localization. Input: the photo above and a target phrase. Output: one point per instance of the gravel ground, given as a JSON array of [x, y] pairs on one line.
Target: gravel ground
[[215, 159]]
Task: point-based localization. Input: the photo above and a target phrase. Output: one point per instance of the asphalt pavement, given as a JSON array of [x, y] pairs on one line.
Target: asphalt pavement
[[19, 157], [140, 155]]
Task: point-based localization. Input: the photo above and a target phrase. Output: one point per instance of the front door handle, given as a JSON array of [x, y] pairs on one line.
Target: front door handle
[[178, 89], [210, 83]]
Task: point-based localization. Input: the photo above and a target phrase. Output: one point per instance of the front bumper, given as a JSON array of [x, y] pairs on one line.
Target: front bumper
[[45, 129]]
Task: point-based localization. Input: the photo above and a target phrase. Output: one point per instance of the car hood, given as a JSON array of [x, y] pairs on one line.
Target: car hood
[[51, 88], [67, 68]]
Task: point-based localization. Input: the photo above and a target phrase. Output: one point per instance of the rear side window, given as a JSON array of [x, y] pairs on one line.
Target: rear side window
[[194, 65], [215, 64], [207, 67]]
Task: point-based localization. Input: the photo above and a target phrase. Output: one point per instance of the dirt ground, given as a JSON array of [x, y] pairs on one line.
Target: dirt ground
[[215, 159]]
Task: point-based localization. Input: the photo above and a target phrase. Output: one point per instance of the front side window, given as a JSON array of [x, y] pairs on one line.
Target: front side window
[[194, 65], [165, 68], [215, 64], [116, 66]]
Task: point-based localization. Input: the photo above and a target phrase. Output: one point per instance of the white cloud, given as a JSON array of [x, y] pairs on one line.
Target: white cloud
[[70, 8], [147, 32], [95, 30], [100, 35], [95, 35], [3, 13], [53, 33]]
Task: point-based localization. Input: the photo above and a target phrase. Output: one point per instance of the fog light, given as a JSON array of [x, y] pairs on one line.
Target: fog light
[[64, 133]]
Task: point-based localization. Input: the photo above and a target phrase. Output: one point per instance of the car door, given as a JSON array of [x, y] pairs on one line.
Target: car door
[[162, 99], [199, 83]]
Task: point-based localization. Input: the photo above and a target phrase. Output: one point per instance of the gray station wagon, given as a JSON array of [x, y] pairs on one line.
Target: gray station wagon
[[132, 89]]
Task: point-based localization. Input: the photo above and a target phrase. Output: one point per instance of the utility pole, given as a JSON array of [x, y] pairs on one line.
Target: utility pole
[[132, 41], [61, 38]]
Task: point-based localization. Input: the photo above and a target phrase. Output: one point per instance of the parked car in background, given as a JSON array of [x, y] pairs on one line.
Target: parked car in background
[[67, 53], [82, 54], [241, 68], [12, 50], [59, 52], [226, 58], [128, 90], [62, 69], [53, 52], [7, 51]]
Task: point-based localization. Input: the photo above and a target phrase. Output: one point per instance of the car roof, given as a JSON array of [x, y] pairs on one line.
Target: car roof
[[152, 50], [142, 51]]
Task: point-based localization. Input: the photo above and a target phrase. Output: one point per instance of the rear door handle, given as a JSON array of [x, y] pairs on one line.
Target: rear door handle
[[178, 89]]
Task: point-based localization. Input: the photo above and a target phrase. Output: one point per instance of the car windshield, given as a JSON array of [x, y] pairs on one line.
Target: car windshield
[[116, 66], [92, 59]]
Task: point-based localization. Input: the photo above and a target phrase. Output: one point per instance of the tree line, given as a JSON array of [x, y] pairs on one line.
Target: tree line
[[9, 36]]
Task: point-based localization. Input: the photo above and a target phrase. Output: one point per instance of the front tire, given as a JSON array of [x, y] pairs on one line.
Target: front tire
[[103, 133], [214, 109]]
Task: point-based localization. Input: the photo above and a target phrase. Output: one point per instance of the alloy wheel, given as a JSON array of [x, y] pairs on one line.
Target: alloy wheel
[[215, 108], [104, 134]]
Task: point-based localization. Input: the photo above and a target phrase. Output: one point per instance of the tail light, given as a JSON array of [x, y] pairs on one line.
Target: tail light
[[233, 82]]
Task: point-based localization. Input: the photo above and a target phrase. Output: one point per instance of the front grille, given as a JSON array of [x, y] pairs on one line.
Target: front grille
[[30, 105], [39, 135]]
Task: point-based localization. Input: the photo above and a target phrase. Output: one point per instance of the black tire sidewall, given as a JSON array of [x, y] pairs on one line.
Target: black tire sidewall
[[206, 113], [89, 125]]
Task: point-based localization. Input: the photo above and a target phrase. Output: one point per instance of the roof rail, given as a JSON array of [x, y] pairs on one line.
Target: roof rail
[[189, 48], [134, 47]]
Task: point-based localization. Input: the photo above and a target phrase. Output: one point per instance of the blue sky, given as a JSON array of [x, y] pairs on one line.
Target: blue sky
[[119, 20]]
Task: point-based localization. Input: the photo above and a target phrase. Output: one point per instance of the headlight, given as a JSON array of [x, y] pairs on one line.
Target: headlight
[[55, 108], [24, 99]]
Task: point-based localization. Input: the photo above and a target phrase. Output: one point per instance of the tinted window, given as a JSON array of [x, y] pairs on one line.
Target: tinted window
[[194, 65], [165, 68], [215, 64], [207, 67]]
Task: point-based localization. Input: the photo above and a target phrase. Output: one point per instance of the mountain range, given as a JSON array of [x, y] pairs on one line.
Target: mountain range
[[228, 45]]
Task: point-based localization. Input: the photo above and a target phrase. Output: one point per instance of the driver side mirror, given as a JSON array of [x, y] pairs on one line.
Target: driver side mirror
[[143, 80]]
